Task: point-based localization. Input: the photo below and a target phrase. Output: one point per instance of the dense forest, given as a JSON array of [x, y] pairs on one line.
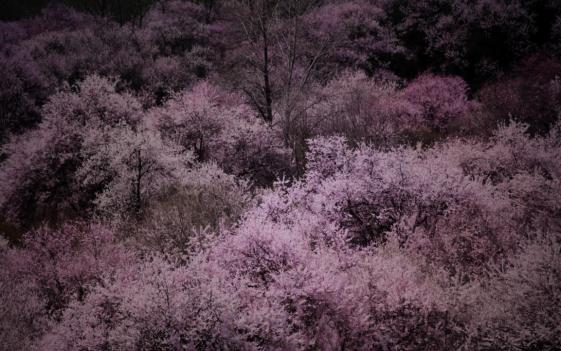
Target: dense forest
[[280, 175]]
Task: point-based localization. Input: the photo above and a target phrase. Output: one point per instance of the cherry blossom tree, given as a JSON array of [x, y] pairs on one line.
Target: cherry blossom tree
[[363, 109], [39, 176], [439, 100], [521, 298], [53, 268], [355, 35], [151, 305], [133, 165], [215, 125]]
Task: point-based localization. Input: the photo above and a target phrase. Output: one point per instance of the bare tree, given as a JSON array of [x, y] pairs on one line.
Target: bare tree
[[253, 24], [279, 62]]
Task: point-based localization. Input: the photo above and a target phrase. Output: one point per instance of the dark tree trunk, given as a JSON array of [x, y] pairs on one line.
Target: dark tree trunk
[[268, 116]]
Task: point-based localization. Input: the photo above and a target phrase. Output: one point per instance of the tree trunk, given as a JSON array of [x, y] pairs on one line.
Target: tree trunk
[[137, 188], [268, 110]]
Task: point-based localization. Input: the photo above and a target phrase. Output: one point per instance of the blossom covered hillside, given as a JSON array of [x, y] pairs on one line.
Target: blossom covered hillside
[[280, 175]]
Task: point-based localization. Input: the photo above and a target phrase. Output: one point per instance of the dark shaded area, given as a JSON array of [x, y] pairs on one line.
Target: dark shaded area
[[120, 10], [13, 10]]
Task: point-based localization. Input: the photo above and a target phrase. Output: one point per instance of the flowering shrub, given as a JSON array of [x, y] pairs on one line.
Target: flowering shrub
[[438, 100], [39, 179], [377, 111], [132, 166], [151, 305], [54, 267], [522, 297], [354, 34], [217, 127]]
